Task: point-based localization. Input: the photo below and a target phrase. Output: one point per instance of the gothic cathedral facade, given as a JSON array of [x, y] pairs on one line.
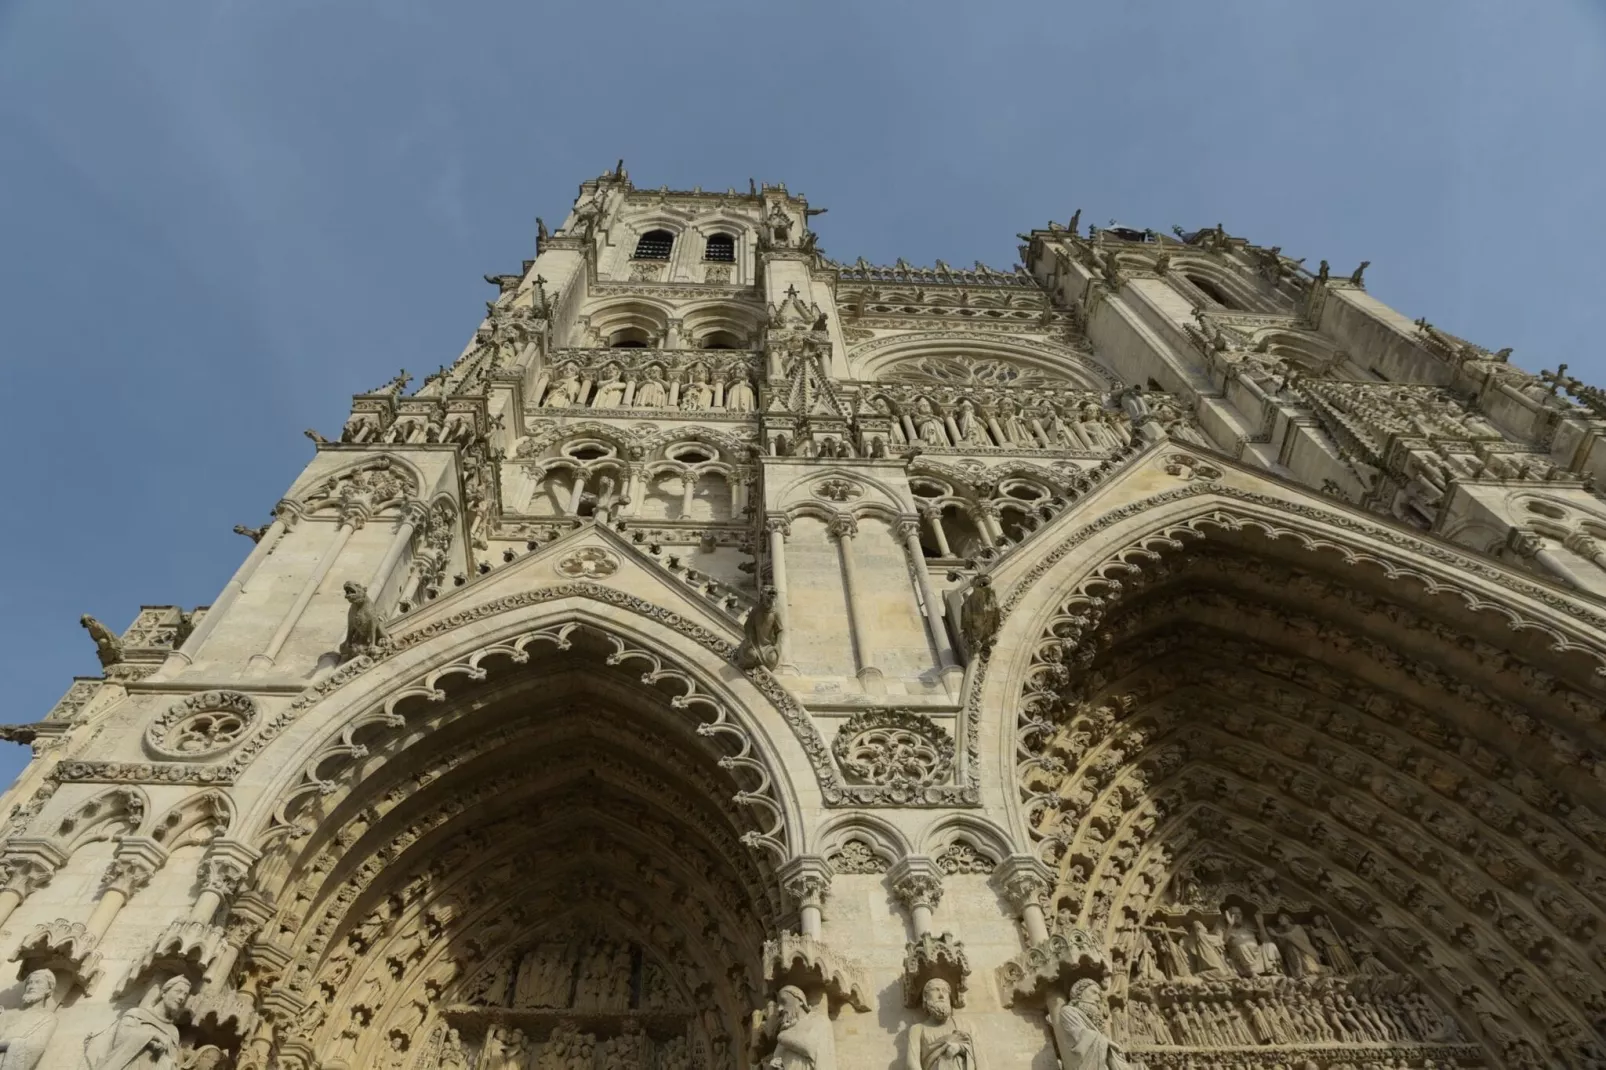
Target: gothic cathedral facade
[[1156, 655]]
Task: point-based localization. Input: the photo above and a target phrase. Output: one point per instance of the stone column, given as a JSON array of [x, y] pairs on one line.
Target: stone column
[[135, 863], [350, 520], [1024, 880], [413, 514], [917, 882], [807, 880], [577, 491], [909, 531], [24, 871], [843, 528], [987, 521], [1586, 547], [778, 528], [250, 913], [933, 516], [222, 874]]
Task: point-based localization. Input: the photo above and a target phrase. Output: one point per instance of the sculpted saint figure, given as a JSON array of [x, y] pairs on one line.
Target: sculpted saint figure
[[803, 1038], [697, 394], [610, 393], [26, 1031], [939, 1043], [1079, 1032], [143, 1038], [739, 395], [1208, 950], [761, 644], [565, 390], [1300, 957], [364, 631], [928, 427], [1243, 947], [651, 393], [971, 430]]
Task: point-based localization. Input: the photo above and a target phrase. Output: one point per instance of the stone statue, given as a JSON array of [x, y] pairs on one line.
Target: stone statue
[[1208, 950], [739, 395], [651, 393], [26, 1031], [697, 394], [364, 632], [1243, 946], [1356, 277], [803, 1038], [108, 647], [1079, 1032], [928, 426], [610, 392], [453, 1056], [1300, 957], [939, 1043], [971, 431], [761, 644], [565, 389], [142, 1038], [1332, 945], [979, 616]]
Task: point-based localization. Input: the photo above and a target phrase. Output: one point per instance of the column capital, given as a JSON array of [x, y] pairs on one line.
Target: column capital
[[132, 867], [917, 882], [1582, 544], [807, 880], [1524, 543], [843, 526], [1023, 879], [907, 526], [777, 522]]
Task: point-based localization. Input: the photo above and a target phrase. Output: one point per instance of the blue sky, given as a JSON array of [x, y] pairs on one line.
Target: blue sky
[[219, 220]]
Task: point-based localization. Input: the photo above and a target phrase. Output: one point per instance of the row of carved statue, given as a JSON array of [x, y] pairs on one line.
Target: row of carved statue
[[654, 387]]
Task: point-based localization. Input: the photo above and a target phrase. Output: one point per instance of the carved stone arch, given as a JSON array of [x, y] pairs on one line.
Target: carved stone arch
[[965, 843], [376, 484], [120, 811], [1230, 283], [880, 358], [1365, 725], [547, 753], [610, 316], [731, 448], [1309, 352], [859, 843], [702, 319], [196, 819], [536, 445]]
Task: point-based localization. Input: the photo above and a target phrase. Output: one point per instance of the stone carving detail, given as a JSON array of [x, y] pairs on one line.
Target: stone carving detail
[[803, 1038], [202, 725], [589, 562], [365, 632], [142, 1036], [1081, 1031], [108, 647], [761, 634], [26, 1031], [894, 748], [940, 1042], [855, 856], [838, 490], [963, 858]]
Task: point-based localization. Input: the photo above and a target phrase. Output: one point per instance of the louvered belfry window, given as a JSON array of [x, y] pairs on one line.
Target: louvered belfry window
[[721, 247], [655, 245]]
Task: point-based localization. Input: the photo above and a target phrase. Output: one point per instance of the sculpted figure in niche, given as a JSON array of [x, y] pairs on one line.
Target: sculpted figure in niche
[[803, 1038], [565, 389], [364, 632], [697, 394], [928, 426], [939, 1043], [26, 1031], [142, 1038], [1079, 1032], [761, 643], [739, 395], [453, 1055], [971, 430], [1014, 425], [651, 394], [1299, 954], [1063, 429], [610, 392]]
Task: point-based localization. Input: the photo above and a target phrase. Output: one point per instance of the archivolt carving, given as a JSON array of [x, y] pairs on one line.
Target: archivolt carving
[[1190, 739]]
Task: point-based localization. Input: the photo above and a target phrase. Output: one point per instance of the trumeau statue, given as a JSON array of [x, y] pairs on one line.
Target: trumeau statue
[[1215, 751]]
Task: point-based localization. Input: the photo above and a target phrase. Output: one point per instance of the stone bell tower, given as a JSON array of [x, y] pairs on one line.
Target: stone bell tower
[[1155, 654]]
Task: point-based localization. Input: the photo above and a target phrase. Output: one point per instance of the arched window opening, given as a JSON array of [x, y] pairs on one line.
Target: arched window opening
[[720, 248], [1212, 292], [654, 245], [720, 340], [630, 338]]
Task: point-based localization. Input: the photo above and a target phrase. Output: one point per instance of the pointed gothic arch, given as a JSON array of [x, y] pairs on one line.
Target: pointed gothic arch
[[1384, 756], [548, 818]]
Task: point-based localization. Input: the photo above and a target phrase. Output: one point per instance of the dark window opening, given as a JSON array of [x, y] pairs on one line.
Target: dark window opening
[[655, 245], [1212, 291], [721, 247]]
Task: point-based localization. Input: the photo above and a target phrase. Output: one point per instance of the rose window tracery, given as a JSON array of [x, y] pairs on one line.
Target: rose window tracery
[[202, 725], [894, 747]]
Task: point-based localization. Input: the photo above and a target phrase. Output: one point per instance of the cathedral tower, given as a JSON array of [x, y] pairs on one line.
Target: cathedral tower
[[1156, 654]]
